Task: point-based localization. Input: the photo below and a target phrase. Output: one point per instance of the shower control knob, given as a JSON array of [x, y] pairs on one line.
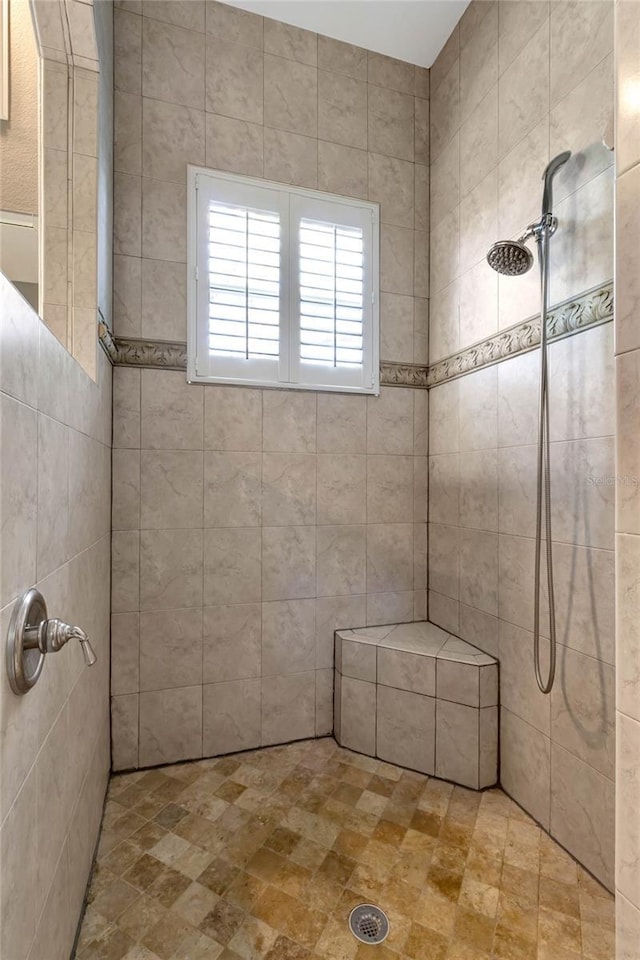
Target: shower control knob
[[32, 636], [51, 635]]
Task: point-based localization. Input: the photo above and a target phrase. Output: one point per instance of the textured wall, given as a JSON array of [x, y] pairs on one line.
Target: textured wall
[[516, 84], [248, 524], [628, 466], [19, 135], [54, 515]]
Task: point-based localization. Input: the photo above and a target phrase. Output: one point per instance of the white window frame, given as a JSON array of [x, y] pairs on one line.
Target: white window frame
[[292, 203]]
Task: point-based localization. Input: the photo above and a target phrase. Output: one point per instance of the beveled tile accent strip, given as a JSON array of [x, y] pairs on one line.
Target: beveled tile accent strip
[[587, 310], [167, 354], [403, 375], [172, 355]]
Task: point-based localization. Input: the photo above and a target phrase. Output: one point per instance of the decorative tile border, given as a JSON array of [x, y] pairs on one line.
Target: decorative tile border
[[403, 375], [163, 354], [589, 309], [172, 355]]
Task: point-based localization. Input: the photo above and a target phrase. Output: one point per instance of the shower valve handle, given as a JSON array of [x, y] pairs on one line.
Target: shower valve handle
[[32, 635], [49, 636]]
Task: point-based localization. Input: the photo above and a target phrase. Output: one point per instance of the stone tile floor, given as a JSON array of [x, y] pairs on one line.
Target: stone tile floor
[[264, 854]]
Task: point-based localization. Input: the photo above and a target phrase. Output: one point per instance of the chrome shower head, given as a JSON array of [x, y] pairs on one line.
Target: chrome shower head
[[510, 257]]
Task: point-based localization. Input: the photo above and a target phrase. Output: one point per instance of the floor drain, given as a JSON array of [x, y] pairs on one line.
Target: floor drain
[[369, 924]]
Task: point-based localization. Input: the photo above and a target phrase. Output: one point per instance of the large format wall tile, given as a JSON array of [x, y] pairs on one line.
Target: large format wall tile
[[288, 562], [170, 725], [582, 812], [288, 637], [405, 728], [231, 716], [627, 799], [231, 642], [582, 716], [342, 170], [288, 489], [234, 145], [627, 421], [357, 715], [171, 489], [240, 26], [291, 42], [519, 692], [170, 568], [232, 489], [172, 137], [627, 928], [232, 565], [170, 648], [627, 634], [341, 560], [525, 765], [54, 518], [19, 502], [627, 866], [342, 110], [628, 129], [579, 36], [457, 743], [171, 412], [288, 707], [522, 105], [290, 158], [172, 64]]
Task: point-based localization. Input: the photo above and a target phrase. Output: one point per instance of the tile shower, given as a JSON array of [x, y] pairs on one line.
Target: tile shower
[[242, 537], [232, 534], [248, 525], [557, 752]]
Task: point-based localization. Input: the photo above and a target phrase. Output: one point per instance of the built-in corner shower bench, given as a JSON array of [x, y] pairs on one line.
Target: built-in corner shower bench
[[419, 697]]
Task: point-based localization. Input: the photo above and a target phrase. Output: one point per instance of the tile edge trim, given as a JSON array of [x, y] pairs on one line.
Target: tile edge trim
[[588, 309]]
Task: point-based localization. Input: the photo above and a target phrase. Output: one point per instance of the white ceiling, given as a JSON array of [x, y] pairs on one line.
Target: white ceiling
[[412, 30]]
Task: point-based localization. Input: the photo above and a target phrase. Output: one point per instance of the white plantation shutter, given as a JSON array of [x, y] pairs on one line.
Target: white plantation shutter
[[244, 282], [239, 308], [282, 286], [333, 283], [331, 293]]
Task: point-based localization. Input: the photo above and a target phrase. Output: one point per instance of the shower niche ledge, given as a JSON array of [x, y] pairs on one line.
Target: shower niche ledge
[[418, 697]]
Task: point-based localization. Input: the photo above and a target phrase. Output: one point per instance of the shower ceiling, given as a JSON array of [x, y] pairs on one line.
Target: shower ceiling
[[412, 30]]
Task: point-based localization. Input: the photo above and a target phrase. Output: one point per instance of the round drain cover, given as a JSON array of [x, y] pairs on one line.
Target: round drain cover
[[369, 924]]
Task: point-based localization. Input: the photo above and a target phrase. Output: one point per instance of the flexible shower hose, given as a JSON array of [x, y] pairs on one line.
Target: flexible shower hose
[[544, 475]]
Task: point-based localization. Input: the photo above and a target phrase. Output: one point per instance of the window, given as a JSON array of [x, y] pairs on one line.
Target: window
[[283, 285]]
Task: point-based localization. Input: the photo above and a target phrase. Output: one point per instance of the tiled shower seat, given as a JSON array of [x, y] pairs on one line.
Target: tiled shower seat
[[418, 697]]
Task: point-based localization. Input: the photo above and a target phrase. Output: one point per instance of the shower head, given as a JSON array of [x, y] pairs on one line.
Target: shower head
[[510, 257]]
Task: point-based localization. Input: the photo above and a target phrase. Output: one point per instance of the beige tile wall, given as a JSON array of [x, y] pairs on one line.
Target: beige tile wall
[[69, 67], [55, 437], [627, 513], [249, 524], [515, 84]]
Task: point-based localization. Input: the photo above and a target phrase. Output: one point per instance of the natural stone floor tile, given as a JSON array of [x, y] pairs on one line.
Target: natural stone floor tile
[[264, 854]]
